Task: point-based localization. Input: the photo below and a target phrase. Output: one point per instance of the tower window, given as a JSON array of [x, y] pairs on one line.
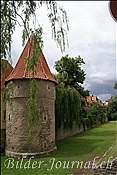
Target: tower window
[[45, 146], [48, 87], [9, 117], [45, 118]]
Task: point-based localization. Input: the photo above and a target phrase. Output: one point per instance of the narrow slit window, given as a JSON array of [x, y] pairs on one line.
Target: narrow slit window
[[9, 117], [48, 87], [45, 146]]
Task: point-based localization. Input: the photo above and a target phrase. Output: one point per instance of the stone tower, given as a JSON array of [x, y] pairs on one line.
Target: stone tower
[[18, 141], [5, 71]]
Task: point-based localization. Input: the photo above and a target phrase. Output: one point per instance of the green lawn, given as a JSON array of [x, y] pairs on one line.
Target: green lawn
[[111, 154], [71, 151]]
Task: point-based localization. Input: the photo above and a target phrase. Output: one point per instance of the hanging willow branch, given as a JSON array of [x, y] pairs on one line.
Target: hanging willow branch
[[21, 13], [33, 102], [8, 92], [31, 67], [67, 113]]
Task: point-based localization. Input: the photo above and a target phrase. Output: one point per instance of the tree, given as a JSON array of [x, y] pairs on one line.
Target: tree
[[112, 108], [21, 12], [96, 111], [67, 113], [70, 73]]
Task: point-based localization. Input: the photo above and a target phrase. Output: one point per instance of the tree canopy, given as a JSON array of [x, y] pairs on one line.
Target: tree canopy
[[21, 13], [70, 73], [115, 85], [112, 108], [67, 108]]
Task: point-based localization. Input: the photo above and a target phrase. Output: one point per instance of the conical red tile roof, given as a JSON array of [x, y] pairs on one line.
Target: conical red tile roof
[[5, 71], [42, 69]]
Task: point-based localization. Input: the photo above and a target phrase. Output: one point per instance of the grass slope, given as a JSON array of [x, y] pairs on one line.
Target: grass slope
[[71, 153]]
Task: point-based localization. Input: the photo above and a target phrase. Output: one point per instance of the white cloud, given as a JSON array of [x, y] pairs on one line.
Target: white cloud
[[103, 97], [92, 35]]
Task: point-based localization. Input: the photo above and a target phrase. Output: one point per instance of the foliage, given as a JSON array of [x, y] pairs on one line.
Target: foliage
[[93, 113], [115, 85], [83, 92], [21, 13], [8, 93], [33, 57], [33, 100], [70, 69], [68, 107], [33, 103], [70, 73], [112, 108], [84, 118]]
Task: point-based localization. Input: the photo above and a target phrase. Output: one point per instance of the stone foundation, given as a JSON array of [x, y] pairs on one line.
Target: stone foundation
[[28, 155]]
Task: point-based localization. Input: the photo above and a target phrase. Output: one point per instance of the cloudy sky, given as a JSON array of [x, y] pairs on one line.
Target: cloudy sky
[[92, 35]]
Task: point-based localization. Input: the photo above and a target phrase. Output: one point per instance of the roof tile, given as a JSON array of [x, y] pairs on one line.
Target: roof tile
[[5, 71], [42, 69]]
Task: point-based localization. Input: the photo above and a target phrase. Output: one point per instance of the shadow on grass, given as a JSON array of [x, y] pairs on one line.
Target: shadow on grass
[[86, 142], [78, 147]]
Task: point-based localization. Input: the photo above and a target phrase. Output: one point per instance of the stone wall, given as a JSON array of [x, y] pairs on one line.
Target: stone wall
[[106, 169], [18, 140], [63, 133]]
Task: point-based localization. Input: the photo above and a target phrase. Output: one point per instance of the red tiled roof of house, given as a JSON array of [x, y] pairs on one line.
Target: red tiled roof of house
[[42, 69], [107, 100], [91, 98], [6, 69], [88, 99]]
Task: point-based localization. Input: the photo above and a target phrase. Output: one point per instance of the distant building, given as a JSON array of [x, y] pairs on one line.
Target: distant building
[[107, 100], [6, 69], [91, 99]]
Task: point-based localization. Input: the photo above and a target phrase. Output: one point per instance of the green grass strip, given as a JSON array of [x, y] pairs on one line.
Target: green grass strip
[[71, 153]]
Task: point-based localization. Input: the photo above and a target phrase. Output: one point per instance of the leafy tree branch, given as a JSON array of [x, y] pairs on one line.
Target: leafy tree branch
[[11, 10]]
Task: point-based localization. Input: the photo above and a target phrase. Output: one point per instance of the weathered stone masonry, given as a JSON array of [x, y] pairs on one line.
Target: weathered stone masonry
[[18, 141]]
